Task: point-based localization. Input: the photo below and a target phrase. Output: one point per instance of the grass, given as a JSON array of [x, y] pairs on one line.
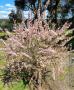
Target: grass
[[62, 76], [2, 56], [16, 86], [2, 34]]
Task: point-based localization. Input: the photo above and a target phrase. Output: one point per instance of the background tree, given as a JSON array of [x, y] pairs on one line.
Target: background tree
[[20, 7], [12, 16], [32, 4], [53, 6]]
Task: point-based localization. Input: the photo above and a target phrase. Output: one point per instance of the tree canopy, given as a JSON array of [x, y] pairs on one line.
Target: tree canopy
[[57, 9]]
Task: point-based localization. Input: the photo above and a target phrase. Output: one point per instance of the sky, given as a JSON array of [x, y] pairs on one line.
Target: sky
[[5, 8]]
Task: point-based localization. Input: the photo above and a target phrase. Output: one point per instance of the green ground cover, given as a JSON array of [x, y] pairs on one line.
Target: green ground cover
[[16, 86]]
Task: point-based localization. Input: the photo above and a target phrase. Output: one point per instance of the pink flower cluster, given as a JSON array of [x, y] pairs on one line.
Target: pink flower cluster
[[37, 45]]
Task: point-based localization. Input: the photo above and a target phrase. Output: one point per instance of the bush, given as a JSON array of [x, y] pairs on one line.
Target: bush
[[36, 55]]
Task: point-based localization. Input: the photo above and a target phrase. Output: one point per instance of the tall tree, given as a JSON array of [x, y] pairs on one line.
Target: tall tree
[[20, 7], [34, 5], [51, 5]]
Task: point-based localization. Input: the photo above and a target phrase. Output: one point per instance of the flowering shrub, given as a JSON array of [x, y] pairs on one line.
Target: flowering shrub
[[34, 54]]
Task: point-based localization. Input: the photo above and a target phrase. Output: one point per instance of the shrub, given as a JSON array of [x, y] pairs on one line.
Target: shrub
[[35, 55]]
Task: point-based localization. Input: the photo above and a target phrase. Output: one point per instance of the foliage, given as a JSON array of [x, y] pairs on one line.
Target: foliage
[[5, 23], [69, 32], [56, 8]]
